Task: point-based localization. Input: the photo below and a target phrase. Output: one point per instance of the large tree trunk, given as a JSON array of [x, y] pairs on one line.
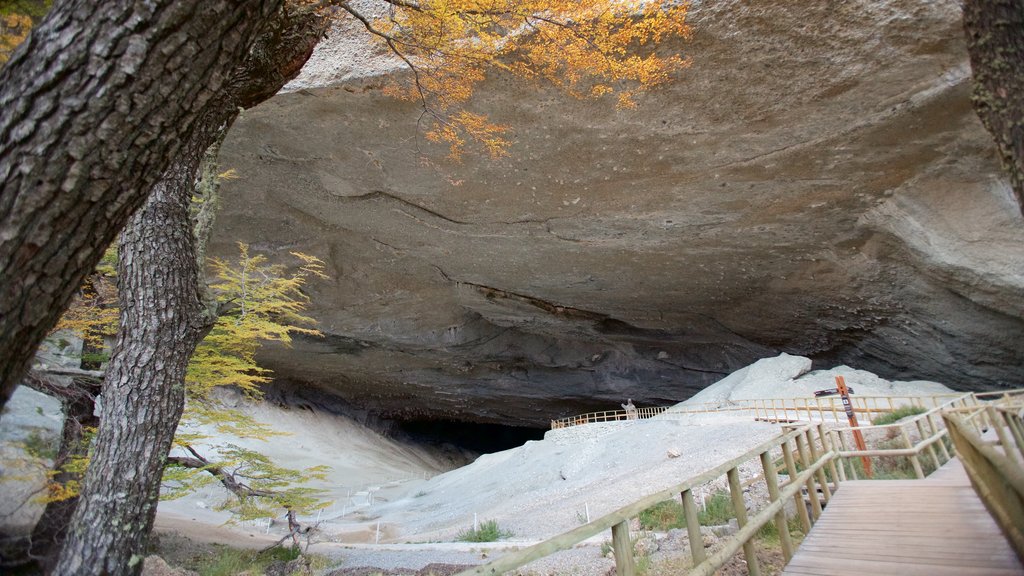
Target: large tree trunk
[[163, 318], [95, 105], [995, 42]]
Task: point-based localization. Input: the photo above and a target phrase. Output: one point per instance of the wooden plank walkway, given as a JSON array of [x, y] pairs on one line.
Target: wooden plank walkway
[[936, 526]]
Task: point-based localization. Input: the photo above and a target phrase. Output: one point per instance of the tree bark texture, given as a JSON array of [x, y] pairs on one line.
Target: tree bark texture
[[995, 43], [163, 318], [95, 105]]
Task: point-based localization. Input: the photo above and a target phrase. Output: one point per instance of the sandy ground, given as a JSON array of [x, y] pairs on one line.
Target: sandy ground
[[394, 507]]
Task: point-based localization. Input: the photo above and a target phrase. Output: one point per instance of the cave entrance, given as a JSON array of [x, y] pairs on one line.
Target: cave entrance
[[471, 437]]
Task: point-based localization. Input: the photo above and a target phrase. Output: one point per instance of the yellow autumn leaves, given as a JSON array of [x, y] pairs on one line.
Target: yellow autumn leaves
[[588, 48]]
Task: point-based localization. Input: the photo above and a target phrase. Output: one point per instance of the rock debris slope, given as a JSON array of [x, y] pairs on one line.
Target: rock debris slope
[[816, 183]]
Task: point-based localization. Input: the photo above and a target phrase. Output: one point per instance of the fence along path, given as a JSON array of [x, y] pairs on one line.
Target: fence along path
[[965, 518], [950, 503], [819, 409], [936, 526]]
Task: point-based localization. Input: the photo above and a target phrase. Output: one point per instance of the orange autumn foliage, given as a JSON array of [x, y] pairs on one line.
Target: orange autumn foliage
[[588, 48]]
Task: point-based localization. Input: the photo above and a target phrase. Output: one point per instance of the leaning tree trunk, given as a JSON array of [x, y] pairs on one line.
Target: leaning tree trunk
[[995, 42], [163, 318], [95, 105]]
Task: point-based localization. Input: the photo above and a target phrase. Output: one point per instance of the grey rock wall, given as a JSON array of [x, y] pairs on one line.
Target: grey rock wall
[[816, 183]]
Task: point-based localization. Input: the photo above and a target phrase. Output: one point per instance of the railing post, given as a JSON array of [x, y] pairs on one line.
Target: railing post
[[739, 507], [832, 445], [801, 508], [1017, 430], [822, 480], [935, 429], [826, 445], [997, 422], [623, 549], [918, 471], [812, 490], [847, 461], [693, 528], [781, 522], [931, 449]]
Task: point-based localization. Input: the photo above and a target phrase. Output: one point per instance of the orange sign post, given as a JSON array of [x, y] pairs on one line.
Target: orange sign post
[[858, 438]]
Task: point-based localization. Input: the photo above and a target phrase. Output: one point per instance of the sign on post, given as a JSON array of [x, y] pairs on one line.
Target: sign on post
[[858, 437]]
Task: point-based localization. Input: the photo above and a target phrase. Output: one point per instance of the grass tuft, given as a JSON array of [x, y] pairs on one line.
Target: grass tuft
[[663, 516], [489, 531], [225, 561], [717, 510], [897, 415]]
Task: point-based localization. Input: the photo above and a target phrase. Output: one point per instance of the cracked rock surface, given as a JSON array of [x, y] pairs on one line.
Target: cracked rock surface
[[816, 183]]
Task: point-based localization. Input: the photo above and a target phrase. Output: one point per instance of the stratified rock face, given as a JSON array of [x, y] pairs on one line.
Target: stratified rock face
[[816, 183]]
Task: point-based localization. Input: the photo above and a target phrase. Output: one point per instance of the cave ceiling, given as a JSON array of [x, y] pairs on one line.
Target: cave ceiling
[[815, 183]]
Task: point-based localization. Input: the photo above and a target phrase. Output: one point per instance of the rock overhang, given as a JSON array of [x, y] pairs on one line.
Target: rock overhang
[[815, 183]]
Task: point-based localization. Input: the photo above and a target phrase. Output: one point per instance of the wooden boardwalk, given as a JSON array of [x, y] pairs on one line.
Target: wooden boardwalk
[[936, 526]]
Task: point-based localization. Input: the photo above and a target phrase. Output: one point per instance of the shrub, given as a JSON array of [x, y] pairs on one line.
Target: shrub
[[488, 531], [663, 516], [225, 561], [897, 415], [717, 510]]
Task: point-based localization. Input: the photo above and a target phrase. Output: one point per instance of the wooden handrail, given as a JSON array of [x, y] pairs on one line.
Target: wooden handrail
[[998, 478], [618, 521], [828, 408]]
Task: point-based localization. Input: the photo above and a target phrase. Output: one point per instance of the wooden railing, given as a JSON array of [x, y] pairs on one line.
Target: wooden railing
[[921, 437], [818, 409], [997, 476], [805, 453], [608, 416]]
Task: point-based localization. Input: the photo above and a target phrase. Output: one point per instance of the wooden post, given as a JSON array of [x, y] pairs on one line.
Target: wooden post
[[740, 509], [812, 490], [822, 480], [942, 443], [844, 448], [832, 443], [1017, 430], [1004, 441], [801, 508], [623, 549], [826, 446], [781, 523], [858, 437], [931, 449], [693, 528], [913, 457]]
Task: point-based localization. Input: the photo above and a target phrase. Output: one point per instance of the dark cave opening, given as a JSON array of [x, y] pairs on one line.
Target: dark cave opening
[[467, 436]]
